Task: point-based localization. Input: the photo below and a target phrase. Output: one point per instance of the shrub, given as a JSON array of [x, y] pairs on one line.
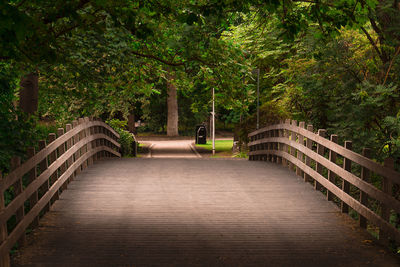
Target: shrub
[[126, 138]]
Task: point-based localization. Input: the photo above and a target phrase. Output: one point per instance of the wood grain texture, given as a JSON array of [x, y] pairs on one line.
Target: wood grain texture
[[331, 174], [58, 163], [20, 228], [349, 200], [351, 155], [4, 258], [345, 183], [351, 178], [320, 151], [196, 212], [365, 175], [12, 177], [309, 144], [34, 186]]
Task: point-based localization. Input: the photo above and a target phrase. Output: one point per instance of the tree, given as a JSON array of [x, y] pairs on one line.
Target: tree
[[172, 107]]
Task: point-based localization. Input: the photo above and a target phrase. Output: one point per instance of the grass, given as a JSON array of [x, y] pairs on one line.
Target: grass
[[220, 145]]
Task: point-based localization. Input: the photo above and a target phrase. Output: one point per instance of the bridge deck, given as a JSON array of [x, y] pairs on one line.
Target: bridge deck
[[196, 212]]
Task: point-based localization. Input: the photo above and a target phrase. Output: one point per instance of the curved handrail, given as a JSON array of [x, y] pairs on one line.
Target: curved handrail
[[291, 145], [20, 228], [351, 155], [41, 155], [32, 187], [84, 142]]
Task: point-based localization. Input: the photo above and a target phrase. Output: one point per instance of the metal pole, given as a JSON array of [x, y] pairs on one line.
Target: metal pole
[[258, 98], [213, 121]]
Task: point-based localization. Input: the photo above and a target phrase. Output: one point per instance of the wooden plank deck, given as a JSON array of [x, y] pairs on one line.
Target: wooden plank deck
[[196, 212]]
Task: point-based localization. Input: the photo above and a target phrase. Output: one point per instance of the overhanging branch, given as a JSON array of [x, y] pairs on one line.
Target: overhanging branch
[[373, 44]]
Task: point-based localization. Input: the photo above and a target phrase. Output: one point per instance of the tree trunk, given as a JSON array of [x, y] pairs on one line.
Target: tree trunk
[[28, 94], [131, 123], [172, 105]]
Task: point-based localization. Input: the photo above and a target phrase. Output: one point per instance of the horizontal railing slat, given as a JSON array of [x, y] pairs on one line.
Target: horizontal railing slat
[[353, 203], [351, 155], [351, 178], [67, 157], [38, 182], [41, 155], [30, 216], [281, 142]]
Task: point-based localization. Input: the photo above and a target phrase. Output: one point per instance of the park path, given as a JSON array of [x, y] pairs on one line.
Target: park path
[[172, 149]]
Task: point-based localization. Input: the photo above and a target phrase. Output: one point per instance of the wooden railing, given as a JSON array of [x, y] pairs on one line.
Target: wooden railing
[[36, 183], [316, 159]]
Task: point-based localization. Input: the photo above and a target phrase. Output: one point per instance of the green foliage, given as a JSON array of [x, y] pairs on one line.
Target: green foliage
[[332, 63], [270, 112], [243, 155], [126, 138], [43, 129], [319, 62], [15, 128]]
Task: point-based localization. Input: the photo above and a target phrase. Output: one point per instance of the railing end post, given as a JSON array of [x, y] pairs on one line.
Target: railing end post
[[51, 137], [60, 131], [322, 132]]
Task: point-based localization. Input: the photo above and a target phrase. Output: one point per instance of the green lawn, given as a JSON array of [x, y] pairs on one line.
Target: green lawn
[[220, 145]]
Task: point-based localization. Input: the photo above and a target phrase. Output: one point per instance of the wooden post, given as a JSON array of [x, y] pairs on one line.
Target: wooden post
[[82, 135], [332, 175], [279, 146], [365, 174], [346, 185], [77, 154], [276, 147], [102, 154], [18, 189], [307, 177], [285, 147], [299, 172], [61, 150], [88, 146], [31, 177], [292, 149], [53, 158], [43, 165], [68, 128], [97, 143], [270, 147], [387, 187], [4, 258], [321, 151]]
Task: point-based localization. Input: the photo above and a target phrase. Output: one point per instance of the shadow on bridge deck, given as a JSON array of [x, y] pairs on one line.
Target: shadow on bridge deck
[[194, 212]]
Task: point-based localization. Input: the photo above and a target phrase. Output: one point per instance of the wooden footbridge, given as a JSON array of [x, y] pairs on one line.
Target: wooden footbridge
[[75, 202]]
